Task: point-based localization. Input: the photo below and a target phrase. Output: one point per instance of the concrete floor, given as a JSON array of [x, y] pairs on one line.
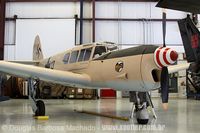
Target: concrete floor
[[183, 116]]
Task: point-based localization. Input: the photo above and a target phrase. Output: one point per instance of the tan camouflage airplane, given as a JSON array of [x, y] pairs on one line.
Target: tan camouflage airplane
[[100, 65]]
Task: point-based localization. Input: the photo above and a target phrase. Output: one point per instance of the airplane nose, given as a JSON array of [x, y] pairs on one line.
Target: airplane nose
[[173, 55], [165, 56]]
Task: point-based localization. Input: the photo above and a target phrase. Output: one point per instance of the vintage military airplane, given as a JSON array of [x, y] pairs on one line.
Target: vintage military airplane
[[100, 65]]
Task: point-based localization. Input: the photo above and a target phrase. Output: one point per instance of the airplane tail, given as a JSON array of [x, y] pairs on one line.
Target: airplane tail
[[37, 50], [191, 39]]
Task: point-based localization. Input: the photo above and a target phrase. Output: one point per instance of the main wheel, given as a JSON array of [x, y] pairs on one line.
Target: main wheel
[[142, 114], [40, 108], [142, 121]]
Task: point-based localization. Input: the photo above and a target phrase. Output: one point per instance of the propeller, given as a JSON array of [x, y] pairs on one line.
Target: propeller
[[164, 72], [164, 26]]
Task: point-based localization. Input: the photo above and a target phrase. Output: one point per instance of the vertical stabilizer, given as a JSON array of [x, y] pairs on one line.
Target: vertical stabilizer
[[191, 39], [37, 50]]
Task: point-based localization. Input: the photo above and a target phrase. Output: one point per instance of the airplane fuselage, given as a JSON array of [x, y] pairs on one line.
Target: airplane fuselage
[[130, 69]]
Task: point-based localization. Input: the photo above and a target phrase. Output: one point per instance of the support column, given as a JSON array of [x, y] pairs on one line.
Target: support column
[[81, 22], [2, 27], [93, 20]]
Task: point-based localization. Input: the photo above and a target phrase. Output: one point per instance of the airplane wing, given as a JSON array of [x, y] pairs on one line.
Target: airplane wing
[[181, 5], [26, 62], [50, 75], [179, 67]]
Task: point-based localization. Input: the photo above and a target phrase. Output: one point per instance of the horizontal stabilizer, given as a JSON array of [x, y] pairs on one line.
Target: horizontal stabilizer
[[179, 67]]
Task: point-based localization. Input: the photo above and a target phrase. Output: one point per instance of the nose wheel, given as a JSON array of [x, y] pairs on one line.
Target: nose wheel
[[142, 114], [141, 100]]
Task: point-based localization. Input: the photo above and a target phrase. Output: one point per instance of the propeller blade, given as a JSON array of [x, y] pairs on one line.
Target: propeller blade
[[164, 73], [164, 26], [165, 106], [164, 87]]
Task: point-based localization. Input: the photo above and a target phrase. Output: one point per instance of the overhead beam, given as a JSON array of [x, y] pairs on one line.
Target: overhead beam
[[2, 27]]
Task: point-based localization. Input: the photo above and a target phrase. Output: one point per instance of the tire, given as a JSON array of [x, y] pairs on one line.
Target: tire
[[142, 115], [40, 108], [142, 121]]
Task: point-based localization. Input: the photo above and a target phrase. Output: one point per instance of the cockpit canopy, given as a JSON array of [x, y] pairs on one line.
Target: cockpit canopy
[[88, 52]]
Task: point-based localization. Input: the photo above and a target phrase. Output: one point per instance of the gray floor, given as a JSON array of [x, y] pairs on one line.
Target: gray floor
[[16, 115]]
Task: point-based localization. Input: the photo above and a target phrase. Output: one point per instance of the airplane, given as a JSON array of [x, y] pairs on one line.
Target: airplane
[[102, 65]]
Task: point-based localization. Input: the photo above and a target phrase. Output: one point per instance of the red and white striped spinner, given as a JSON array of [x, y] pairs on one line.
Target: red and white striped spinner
[[164, 56]]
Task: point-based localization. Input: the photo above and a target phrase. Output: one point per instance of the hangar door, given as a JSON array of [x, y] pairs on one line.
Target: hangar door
[[56, 35]]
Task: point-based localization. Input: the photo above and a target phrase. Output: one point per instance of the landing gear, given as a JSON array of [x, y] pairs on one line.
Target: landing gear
[[38, 106], [141, 100], [142, 115], [3, 79]]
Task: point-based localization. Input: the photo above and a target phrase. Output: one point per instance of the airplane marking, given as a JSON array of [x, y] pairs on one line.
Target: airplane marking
[[195, 41], [119, 66]]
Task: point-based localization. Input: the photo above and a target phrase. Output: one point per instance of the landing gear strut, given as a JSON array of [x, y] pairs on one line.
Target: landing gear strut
[[141, 100], [38, 106]]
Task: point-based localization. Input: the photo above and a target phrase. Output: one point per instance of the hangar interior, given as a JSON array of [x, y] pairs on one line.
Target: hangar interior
[[127, 24], [63, 24]]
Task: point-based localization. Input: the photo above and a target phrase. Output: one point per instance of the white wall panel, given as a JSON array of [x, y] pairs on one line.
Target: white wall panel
[[106, 9], [47, 9], [10, 32], [107, 31], [134, 10], [87, 9], [9, 52], [56, 35], [137, 32], [87, 32], [172, 36], [132, 32], [40, 9]]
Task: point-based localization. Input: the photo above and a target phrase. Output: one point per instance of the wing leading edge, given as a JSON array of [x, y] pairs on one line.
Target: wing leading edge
[[179, 67], [50, 75]]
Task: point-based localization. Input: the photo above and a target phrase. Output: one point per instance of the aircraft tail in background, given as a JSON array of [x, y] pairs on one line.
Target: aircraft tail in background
[[191, 39], [37, 49]]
